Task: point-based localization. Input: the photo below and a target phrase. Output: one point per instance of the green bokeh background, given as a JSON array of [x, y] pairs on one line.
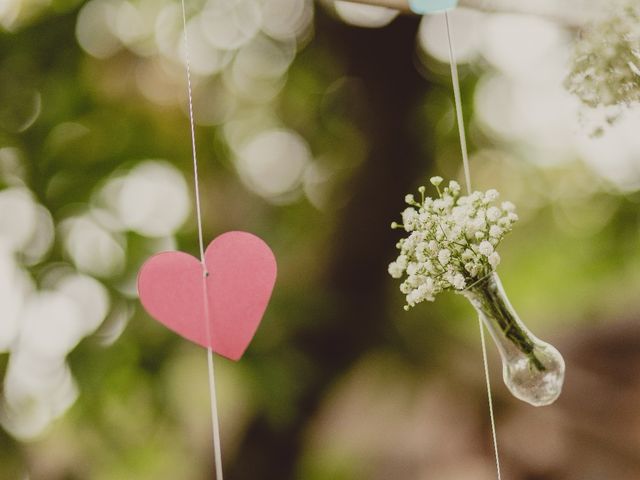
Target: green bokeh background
[[340, 383]]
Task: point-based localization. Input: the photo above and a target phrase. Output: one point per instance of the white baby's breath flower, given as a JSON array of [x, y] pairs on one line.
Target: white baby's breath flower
[[443, 256], [476, 224], [412, 268], [493, 214], [494, 259], [504, 222], [451, 240], [412, 280], [472, 268], [458, 281], [495, 231], [508, 206], [491, 195], [413, 297], [605, 70], [395, 270], [435, 181], [409, 217], [485, 248], [429, 267]]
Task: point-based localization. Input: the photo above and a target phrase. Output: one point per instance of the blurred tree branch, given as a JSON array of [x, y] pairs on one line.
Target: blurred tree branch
[[382, 62], [572, 13]]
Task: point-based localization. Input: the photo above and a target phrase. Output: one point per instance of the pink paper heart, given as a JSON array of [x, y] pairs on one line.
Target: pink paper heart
[[242, 272]]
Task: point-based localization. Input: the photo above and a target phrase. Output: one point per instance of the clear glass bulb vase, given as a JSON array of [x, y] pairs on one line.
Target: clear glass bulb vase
[[533, 370]]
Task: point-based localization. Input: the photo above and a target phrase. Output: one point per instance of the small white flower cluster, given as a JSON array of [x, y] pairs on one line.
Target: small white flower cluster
[[452, 240], [606, 63]]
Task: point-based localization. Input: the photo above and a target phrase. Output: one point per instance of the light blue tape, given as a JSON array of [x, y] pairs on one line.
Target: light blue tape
[[431, 6]]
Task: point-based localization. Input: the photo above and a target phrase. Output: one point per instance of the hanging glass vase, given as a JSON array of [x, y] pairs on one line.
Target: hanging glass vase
[[533, 370]]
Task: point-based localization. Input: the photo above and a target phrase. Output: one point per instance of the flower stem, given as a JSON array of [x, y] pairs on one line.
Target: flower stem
[[493, 304]]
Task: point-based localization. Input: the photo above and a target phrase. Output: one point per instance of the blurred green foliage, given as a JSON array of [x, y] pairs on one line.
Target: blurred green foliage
[[142, 410]]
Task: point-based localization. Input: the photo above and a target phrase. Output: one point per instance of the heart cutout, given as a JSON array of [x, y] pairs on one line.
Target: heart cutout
[[242, 273]]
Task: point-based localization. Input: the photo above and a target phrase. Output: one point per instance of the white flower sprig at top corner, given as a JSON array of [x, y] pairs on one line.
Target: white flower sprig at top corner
[[452, 240]]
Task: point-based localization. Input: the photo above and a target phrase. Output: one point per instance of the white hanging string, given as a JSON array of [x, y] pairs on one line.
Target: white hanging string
[[215, 421], [467, 176], [458, 101]]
